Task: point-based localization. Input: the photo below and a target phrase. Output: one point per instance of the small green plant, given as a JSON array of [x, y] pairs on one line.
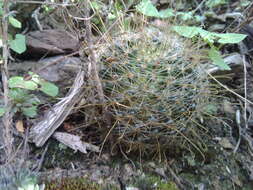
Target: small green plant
[[24, 102], [18, 178], [18, 43], [34, 83], [154, 182], [148, 9], [30, 183], [20, 94], [210, 38]]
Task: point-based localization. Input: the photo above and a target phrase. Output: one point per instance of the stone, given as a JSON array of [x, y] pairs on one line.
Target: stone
[[50, 42], [60, 70]]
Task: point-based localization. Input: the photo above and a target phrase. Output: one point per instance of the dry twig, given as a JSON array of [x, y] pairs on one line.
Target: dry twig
[[245, 92], [75, 142], [41, 132], [43, 3], [224, 86], [92, 68]]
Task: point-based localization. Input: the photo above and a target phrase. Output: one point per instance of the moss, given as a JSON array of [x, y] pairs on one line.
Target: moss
[[154, 183], [72, 184], [59, 155], [77, 184], [168, 186], [143, 183]]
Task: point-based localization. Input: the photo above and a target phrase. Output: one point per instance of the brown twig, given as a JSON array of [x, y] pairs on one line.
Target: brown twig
[[7, 132], [92, 69], [44, 3]]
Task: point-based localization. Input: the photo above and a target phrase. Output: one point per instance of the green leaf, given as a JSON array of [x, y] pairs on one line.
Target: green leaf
[[18, 95], [14, 22], [35, 77], [147, 8], [18, 44], [186, 31], [166, 13], [19, 82], [30, 111], [2, 111], [191, 31], [33, 100], [207, 36], [215, 3], [215, 56], [230, 38], [185, 15], [49, 88]]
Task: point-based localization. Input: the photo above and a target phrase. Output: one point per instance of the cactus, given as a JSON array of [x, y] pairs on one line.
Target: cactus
[[157, 89]]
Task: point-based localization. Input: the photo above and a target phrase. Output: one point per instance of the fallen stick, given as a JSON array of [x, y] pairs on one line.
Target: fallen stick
[[43, 130], [74, 142]]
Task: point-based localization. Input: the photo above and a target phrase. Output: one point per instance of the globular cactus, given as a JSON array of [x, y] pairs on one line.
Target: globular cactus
[[158, 91]]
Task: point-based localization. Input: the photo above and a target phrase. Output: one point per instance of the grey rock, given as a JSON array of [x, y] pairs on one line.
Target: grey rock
[[50, 42]]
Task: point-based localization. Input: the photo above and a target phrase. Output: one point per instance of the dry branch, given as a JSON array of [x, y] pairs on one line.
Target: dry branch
[[42, 131], [92, 68], [75, 142]]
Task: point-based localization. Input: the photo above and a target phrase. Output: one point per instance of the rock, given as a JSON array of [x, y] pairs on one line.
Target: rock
[[132, 188], [128, 170], [62, 72], [50, 42], [99, 172]]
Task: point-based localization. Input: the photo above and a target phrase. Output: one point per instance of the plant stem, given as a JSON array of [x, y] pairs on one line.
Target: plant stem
[[92, 71], [7, 118]]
